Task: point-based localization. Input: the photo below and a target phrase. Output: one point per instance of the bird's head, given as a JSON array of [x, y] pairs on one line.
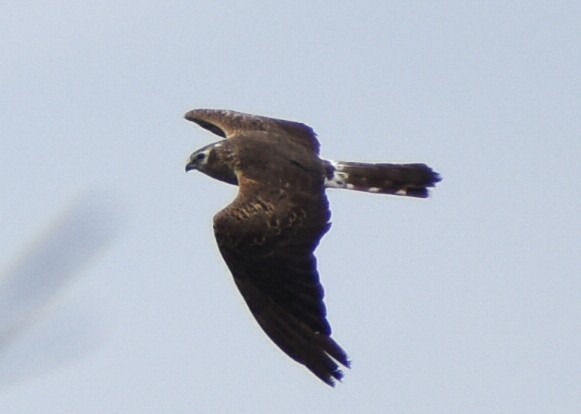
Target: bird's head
[[210, 161], [199, 159]]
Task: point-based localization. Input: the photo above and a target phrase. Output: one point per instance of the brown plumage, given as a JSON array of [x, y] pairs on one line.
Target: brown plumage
[[268, 234]]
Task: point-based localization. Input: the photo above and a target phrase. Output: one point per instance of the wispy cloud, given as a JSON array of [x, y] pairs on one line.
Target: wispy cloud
[[30, 287]]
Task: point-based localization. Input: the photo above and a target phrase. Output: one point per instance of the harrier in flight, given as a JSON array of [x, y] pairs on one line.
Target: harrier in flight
[[268, 234]]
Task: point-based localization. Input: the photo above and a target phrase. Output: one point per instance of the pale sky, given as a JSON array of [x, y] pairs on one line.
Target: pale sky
[[467, 302]]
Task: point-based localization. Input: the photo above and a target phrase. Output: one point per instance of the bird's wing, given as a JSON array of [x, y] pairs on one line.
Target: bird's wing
[[267, 237], [227, 124]]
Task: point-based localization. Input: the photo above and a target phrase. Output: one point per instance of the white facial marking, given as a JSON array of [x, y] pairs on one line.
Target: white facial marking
[[202, 157]]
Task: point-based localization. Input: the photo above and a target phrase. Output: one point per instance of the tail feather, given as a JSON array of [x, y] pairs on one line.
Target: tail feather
[[412, 180]]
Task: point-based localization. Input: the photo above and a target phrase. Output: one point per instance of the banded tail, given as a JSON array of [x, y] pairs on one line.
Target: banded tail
[[412, 180]]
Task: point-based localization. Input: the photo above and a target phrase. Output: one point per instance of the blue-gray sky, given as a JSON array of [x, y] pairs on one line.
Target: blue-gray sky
[[466, 302]]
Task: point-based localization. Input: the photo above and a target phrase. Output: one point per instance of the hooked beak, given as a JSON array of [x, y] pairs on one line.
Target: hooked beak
[[191, 165]]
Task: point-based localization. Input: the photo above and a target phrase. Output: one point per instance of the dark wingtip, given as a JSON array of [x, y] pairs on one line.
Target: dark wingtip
[[197, 116], [331, 378], [325, 364], [336, 375], [192, 115]]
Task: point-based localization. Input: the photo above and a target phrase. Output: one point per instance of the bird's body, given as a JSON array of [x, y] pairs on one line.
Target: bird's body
[[268, 234]]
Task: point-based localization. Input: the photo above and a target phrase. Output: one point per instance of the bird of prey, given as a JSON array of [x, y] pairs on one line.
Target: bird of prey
[[268, 234]]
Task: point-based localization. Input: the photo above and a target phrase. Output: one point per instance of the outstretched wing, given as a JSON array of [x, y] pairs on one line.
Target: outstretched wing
[[227, 124], [267, 237]]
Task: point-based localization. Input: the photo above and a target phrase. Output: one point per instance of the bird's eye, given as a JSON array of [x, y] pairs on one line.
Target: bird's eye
[[200, 156]]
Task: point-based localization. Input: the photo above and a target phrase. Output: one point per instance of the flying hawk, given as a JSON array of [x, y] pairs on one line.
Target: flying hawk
[[268, 234]]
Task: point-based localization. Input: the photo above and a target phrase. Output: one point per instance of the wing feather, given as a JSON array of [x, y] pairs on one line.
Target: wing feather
[[271, 258], [228, 124]]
